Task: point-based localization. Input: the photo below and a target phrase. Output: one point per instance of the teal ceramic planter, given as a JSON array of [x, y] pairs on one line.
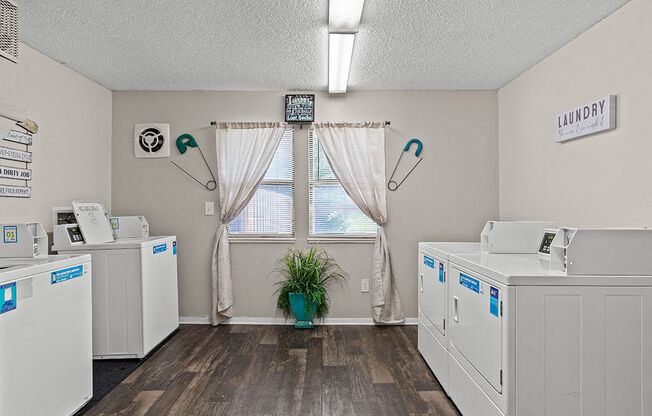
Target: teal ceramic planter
[[298, 304]]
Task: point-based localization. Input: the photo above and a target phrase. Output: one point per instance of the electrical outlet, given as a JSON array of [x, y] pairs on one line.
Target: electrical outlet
[[209, 208], [364, 285]]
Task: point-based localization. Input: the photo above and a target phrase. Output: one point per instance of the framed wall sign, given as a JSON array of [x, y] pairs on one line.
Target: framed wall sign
[[300, 108], [18, 137], [594, 117], [15, 154], [10, 172], [15, 191]]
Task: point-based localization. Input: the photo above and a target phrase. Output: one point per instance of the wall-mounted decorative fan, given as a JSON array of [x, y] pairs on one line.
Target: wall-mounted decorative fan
[[152, 140]]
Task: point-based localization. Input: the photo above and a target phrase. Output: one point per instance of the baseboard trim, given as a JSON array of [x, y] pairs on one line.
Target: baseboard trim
[[194, 320], [204, 320]]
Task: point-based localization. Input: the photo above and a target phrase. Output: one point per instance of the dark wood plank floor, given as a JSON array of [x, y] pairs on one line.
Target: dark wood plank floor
[[280, 370]]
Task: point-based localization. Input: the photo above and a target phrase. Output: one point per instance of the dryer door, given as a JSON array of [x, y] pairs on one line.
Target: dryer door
[[476, 328], [433, 290]]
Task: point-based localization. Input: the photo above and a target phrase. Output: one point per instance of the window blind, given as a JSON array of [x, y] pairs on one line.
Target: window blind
[[332, 212], [270, 213]]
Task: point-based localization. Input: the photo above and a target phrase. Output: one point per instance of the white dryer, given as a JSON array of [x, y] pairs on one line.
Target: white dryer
[[434, 293], [45, 334], [433, 303]]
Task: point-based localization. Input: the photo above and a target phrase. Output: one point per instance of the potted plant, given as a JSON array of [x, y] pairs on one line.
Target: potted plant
[[305, 278]]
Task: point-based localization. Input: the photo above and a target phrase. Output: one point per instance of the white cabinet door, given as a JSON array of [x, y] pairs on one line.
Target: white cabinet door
[[433, 290], [476, 328], [583, 350]]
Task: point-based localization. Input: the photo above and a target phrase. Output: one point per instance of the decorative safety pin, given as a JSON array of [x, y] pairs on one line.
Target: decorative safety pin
[[392, 185], [183, 142]]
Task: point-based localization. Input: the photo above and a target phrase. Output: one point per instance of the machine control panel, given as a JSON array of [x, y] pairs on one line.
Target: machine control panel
[[548, 236], [75, 234]]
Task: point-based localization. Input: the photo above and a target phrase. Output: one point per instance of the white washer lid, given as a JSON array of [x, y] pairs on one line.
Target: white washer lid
[[16, 269], [93, 221], [118, 244], [445, 249]]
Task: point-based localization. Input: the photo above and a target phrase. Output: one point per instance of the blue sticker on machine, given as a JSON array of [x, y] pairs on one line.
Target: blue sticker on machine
[[10, 233], [115, 223], [470, 283], [493, 301], [160, 248], [174, 248], [441, 272], [7, 297], [66, 274], [429, 262]]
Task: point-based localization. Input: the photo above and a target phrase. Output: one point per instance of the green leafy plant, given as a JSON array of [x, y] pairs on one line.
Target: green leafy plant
[[311, 272]]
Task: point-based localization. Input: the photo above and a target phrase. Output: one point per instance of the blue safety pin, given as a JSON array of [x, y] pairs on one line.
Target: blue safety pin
[[392, 185]]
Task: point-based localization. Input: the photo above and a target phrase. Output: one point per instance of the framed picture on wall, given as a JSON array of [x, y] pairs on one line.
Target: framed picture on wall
[[299, 108]]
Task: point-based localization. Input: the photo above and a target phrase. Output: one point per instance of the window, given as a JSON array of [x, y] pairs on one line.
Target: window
[[270, 213], [332, 212]]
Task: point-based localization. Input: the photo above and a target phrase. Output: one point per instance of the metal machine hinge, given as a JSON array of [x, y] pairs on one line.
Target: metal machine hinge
[[501, 308], [444, 323], [501, 377], [444, 276]]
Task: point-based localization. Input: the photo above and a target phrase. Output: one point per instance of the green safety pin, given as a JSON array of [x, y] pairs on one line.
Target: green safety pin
[[183, 143]]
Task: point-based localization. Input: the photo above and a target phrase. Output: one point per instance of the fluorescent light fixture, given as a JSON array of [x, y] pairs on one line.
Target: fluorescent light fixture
[[340, 50], [344, 15]]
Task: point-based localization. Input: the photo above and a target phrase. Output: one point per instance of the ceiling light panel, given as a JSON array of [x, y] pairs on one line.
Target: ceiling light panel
[[344, 15], [340, 50]]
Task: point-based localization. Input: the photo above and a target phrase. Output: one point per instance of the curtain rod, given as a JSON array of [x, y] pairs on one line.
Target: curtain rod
[[387, 123]]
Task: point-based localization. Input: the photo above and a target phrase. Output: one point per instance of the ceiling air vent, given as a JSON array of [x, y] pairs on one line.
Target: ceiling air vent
[[8, 30]]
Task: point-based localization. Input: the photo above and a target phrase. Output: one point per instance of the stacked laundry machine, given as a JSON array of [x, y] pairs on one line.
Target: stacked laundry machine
[[433, 298], [562, 330], [45, 325]]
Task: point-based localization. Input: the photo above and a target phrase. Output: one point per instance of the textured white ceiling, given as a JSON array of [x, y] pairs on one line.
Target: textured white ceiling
[[283, 45]]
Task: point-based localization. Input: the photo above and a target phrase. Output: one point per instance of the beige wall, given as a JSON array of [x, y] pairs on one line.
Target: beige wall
[[84, 150], [449, 197], [72, 150], [600, 180]]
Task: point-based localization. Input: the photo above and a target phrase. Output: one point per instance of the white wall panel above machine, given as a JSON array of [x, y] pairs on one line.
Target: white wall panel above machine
[[23, 240], [513, 237], [134, 226], [612, 251]]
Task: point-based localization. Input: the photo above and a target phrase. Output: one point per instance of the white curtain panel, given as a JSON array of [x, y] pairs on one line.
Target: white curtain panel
[[244, 152], [356, 154]]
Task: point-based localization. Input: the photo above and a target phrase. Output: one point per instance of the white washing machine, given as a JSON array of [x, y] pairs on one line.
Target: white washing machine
[[45, 332], [135, 289], [528, 340]]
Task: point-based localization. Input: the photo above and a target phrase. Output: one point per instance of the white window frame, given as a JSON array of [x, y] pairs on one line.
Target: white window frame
[[330, 237], [273, 238]]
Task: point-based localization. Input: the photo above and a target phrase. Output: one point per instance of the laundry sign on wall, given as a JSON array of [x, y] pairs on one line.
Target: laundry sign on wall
[[15, 154], [8, 170], [594, 117]]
